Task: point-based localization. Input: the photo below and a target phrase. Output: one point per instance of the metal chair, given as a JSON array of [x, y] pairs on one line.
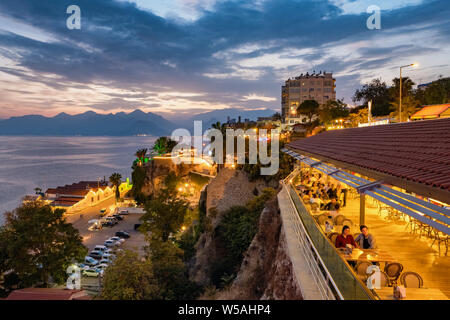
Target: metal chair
[[440, 237], [338, 219], [393, 270], [411, 280]]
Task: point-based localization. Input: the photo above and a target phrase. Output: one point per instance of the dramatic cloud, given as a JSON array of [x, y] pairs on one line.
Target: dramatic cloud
[[182, 56]]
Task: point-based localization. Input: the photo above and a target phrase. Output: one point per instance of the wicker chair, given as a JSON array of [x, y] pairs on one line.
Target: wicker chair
[[393, 270], [411, 280], [384, 279], [314, 207], [338, 219], [347, 222], [361, 268], [322, 218], [332, 237]]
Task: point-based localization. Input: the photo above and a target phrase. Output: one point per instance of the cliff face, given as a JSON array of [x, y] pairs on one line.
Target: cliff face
[[266, 271], [229, 188]]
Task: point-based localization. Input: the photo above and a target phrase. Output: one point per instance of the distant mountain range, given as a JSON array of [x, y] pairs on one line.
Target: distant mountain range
[[118, 124], [88, 124]]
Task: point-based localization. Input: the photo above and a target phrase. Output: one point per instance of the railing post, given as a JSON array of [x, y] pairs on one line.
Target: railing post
[[362, 209]]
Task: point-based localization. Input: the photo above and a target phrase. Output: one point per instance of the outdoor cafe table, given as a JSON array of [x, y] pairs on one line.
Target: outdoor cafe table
[[369, 255], [412, 294]]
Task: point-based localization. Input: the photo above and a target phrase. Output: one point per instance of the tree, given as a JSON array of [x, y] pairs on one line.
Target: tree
[[377, 92], [277, 116], [164, 145], [438, 92], [170, 271], [38, 243], [140, 154], [308, 108], [221, 127], [116, 181], [332, 110], [130, 278], [37, 190], [164, 214], [359, 116], [409, 106]]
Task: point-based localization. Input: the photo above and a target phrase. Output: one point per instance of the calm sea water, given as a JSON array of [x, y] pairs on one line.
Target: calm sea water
[[30, 162]]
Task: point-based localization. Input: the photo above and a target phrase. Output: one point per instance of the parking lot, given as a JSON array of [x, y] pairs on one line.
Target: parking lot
[[136, 241]]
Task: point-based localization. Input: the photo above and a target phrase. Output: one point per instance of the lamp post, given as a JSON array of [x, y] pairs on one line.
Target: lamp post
[[401, 83]]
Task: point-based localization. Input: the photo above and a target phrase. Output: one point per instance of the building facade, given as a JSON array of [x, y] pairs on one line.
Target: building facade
[[320, 87]]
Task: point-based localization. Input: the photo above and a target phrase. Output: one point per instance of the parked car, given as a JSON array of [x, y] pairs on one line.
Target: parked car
[[105, 261], [122, 234], [90, 261], [106, 223], [110, 243], [109, 256], [112, 220], [118, 239], [92, 272], [123, 212], [102, 266], [100, 248], [118, 217], [96, 254]]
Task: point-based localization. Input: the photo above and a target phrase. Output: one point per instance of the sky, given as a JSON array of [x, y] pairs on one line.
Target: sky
[[181, 57]]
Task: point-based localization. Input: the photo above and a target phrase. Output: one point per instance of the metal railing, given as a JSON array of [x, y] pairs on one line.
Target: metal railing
[[325, 284], [334, 276]]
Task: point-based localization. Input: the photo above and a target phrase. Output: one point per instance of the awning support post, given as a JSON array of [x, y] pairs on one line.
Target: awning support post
[[362, 208]]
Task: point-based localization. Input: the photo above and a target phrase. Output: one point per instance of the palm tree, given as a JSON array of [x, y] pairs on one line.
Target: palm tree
[[221, 127], [116, 181], [140, 154]]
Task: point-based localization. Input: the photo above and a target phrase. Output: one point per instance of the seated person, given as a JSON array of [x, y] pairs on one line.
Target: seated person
[[365, 240], [333, 205], [345, 238]]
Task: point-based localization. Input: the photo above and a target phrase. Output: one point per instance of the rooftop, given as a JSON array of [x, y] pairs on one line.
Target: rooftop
[[411, 155]]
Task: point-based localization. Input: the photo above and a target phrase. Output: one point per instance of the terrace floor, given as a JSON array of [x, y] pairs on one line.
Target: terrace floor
[[414, 253]]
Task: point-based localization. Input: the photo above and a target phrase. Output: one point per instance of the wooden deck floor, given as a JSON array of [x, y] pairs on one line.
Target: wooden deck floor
[[414, 253]]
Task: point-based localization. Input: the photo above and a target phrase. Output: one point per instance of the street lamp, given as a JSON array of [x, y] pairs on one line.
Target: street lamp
[[400, 104]]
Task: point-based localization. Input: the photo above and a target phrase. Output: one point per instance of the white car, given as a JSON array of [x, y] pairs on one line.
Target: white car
[[100, 248], [105, 261], [117, 239], [92, 272], [110, 243], [123, 212], [90, 261], [102, 266]]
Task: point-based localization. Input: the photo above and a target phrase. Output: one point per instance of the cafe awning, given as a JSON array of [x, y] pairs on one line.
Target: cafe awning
[[426, 212]]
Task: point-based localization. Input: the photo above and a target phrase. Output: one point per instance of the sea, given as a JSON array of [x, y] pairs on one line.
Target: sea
[[46, 162]]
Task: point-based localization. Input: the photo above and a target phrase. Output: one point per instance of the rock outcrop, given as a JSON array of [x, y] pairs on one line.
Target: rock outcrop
[[229, 188], [266, 271]]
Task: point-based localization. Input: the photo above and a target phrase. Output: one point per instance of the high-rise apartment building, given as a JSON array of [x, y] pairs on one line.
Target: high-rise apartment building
[[320, 87]]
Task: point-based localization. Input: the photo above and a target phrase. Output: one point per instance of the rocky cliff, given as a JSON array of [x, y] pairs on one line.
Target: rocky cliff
[[266, 271]]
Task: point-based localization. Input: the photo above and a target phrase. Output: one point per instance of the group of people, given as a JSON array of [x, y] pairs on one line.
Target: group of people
[[330, 197], [323, 195]]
